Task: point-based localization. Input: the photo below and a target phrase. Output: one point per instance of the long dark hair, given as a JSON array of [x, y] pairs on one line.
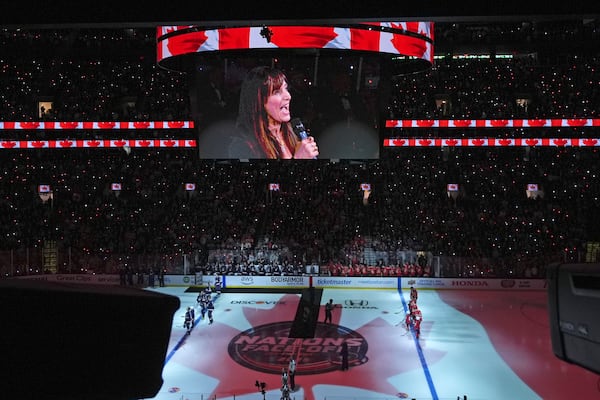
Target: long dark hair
[[258, 85]]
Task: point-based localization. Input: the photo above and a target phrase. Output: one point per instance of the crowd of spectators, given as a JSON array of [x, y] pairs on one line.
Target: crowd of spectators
[[319, 216]]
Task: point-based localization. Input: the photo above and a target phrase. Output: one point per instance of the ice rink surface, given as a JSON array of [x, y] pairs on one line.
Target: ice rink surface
[[485, 345]]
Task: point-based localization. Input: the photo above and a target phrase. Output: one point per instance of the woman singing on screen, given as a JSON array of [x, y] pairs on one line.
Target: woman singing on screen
[[264, 120]]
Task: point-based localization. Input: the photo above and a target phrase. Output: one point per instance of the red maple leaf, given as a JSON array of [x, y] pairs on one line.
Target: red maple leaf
[[537, 122], [30, 125], [9, 145], [66, 143], [589, 142], [504, 142], [425, 123], [531, 142], [499, 122], [424, 142], [363, 374], [451, 142], [93, 143], [141, 124], [560, 142], [69, 125], [106, 124], [478, 142], [175, 124], [398, 142], [462, 123]]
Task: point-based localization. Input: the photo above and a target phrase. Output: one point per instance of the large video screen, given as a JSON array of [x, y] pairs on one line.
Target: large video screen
[[291, 92], [327, 102]]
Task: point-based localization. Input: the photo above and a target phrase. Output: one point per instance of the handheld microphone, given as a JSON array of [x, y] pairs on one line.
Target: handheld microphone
[[299, 129]]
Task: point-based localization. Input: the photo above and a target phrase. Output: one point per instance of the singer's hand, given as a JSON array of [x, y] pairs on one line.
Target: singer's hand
[[307, 149]]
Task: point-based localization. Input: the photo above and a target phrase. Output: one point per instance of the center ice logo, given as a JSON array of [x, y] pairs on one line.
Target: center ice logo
[[266, 348]]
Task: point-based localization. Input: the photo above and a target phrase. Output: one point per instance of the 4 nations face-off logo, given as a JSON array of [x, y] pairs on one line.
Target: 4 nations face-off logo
[[375, 344], [265, 348]]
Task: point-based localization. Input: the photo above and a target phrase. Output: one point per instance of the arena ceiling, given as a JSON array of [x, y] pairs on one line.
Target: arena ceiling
[[128, 13]]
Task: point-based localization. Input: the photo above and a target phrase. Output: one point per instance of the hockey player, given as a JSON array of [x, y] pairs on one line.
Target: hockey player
[[218, 285], [203, 309], [203, 304], [292, 373], [210, 308], [408, 321], [417, 318], [412, 305], [284, 378], [414, 295], [188, 321], [208, 289], [285, 392]]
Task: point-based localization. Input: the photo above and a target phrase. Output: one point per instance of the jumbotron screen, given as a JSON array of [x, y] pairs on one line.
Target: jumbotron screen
[[336, 85]]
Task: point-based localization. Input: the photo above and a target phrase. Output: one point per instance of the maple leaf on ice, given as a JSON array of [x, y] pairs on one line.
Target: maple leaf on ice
[[229, 355]]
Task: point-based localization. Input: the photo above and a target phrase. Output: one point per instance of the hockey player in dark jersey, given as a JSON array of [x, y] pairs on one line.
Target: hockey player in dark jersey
[[210, 308], [218, 285], [188, 321]]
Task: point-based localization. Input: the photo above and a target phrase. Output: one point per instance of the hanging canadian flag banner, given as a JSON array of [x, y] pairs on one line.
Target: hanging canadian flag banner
[[273, 187], [452, 187], [115, 187], [365, 186], [532, 187], [492, 142], [94, 125], [190, 187], [43, 188], [492, 123], [96, 143]]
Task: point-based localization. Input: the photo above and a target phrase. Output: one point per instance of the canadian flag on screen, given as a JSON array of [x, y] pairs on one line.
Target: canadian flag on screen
[[190, 187], [532, 187], [116, 186], [273, 186], [453, 187], [44, 189], [365, 186]]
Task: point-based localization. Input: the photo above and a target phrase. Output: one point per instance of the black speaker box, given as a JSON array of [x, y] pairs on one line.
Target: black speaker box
[[82, 341], [574, 313]]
